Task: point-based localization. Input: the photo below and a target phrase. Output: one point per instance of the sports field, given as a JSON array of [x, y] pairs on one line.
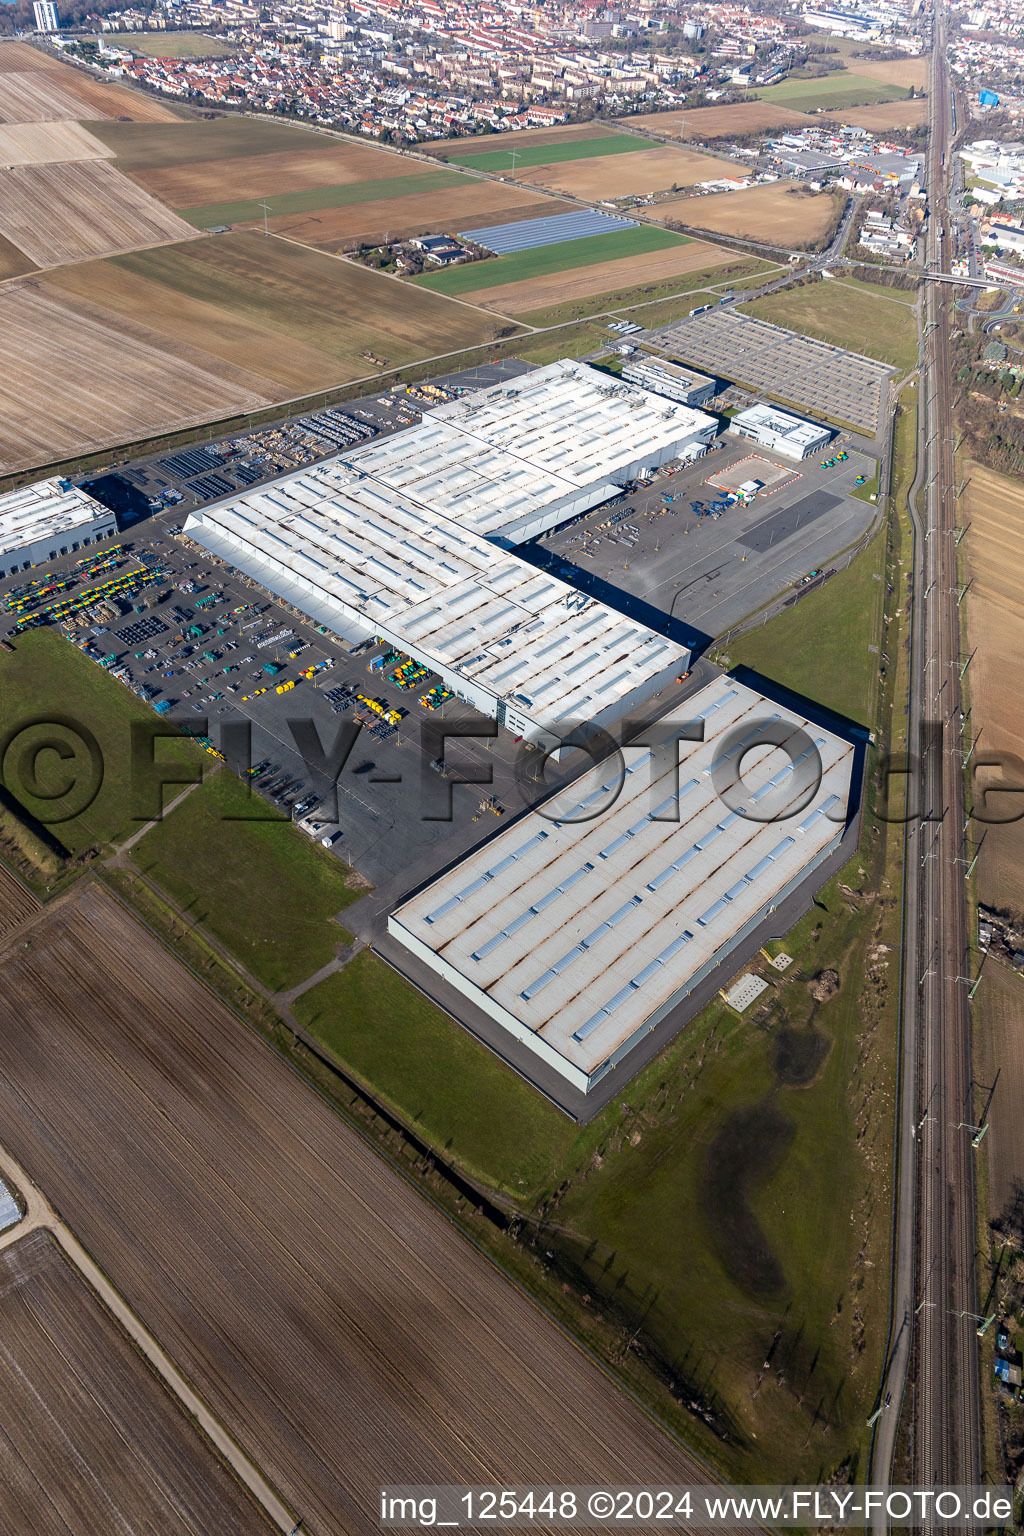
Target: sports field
[[58, 213], [841, 89], [261, 887], [172, 45], [93, 1441], [608, 284], [780, 212], [651, 170], [546, 260], [734, 121], [880, 322]]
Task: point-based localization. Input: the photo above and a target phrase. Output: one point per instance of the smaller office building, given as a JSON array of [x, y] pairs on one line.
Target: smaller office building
[[51, 518], [670, 379], [781, 431]]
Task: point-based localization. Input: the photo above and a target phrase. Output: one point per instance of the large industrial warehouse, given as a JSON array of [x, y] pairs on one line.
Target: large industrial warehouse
[[51, 518], [409, 538], [579, 936]]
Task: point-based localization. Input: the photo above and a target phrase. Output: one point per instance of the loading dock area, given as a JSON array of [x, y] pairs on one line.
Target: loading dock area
[[708, 571]]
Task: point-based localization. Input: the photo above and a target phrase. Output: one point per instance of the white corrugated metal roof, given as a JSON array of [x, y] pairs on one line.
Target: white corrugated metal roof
[[582, 929], [44, 510], [395, 534], [337, 545]]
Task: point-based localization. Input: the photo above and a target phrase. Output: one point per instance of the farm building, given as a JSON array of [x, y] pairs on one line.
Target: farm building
[[670, 379], [412, 538], [789, 435], [578, 936], [50, 518]]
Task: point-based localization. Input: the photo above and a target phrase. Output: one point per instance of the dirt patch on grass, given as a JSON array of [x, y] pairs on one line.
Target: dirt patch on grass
[[722, 122], [603, 277], [648, 170], [474, 205], [800, 1054], [746, 1152], [781, 212]]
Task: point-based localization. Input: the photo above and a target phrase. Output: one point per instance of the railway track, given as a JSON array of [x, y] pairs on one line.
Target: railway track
[[936, 1294]]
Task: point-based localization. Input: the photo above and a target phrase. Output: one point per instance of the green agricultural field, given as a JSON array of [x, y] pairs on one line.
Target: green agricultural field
[[314, 198], [841, 89], [156, 146], [481, 159], [173, 45], [50, 681], [259, 886], [879, 322], [545, 259], [450, 1088]]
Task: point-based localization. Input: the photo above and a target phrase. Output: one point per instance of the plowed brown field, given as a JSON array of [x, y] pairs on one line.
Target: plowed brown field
[[722, 122], [91, 1441], [320, 163], [36, 96], [16, 901], [58, 213], [994, 508], [74, 380], [476, 204], [49, 143], [521, 139], [647, 170], [888, 114], [776, 212], [334, 1321], [603, 277]]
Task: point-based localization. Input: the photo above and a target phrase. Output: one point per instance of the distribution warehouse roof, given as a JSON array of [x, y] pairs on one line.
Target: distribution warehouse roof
[[337, 545], [580, 930], [397, 535], [494, 458], [44, 509]]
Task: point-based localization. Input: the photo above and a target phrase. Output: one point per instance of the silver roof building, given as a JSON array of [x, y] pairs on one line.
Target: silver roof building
[[409, 538], [39, 521], [579, 935]]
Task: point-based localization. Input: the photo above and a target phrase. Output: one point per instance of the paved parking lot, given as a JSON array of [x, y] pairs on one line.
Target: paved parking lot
[[708, 573], [392, 808], [823, 378]]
